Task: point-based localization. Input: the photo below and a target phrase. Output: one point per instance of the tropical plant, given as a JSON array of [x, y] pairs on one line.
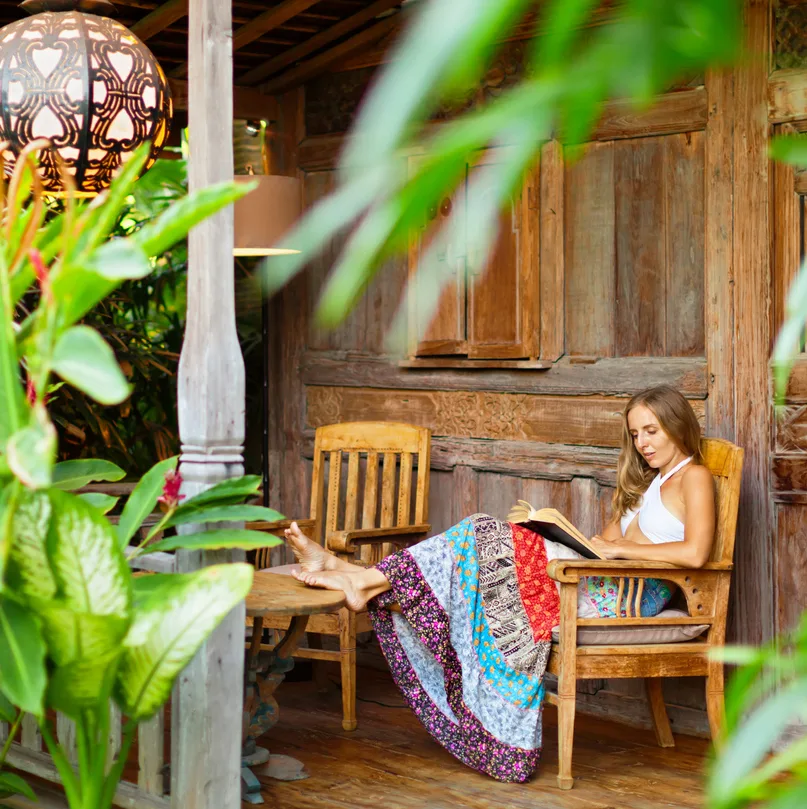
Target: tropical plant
[[77, 629], [144, 320]]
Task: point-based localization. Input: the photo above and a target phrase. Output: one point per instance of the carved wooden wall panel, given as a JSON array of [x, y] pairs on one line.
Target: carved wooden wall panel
[[790, 34], [791, 562], [590, 421]]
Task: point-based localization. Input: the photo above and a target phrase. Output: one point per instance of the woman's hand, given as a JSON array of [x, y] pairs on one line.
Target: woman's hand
[[614, 549]]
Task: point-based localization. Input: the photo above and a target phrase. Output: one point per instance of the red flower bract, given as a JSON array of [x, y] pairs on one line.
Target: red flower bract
[[171, 496]]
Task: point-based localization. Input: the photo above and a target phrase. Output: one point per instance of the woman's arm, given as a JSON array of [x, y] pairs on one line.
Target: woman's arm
[[698, 494], [611, 533]]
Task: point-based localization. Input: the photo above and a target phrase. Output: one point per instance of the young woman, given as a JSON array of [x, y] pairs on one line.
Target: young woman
[[470, 644]]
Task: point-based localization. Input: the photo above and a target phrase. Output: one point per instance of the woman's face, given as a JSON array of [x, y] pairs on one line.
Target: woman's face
[[650, 440]]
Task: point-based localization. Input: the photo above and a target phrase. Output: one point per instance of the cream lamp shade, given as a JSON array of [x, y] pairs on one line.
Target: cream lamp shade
[[264, 216], [86, 84]]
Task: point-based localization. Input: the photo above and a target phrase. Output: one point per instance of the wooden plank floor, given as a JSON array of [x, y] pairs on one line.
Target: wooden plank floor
[[390, 761]]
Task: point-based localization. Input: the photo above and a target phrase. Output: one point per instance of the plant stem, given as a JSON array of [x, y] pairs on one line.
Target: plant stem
[[140, 547], [11, 734], [72, 788], [116, 770]]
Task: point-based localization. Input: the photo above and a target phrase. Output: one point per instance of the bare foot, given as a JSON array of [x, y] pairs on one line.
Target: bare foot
[[356, 597], [311, 556]]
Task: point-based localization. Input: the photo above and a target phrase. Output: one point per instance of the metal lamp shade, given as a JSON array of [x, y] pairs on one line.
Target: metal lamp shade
[[264, 216], [86, 84]]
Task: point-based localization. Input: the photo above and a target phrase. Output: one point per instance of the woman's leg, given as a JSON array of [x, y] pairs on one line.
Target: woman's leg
[[312, 557], [318, 568], [359, 585]]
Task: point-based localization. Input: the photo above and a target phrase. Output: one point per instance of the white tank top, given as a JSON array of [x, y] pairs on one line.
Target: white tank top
[[656, 521]]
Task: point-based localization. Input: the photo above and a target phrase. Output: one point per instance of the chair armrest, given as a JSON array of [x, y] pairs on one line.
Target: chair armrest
[[348, 541], [277, 527], [572, 570]]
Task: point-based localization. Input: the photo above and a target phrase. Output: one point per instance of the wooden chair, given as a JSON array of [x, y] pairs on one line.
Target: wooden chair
[[706, 591], [356, 520]]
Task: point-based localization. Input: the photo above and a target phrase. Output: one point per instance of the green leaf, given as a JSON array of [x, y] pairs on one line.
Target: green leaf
[[143, 500], [79, 287], [30, 572], [84, 359], [103, 502], [789, 149], [8, 713], [22, 657], [72, 636], [170, 627], [91, 571], [752, 741], [77, 687], [790, 335], [246, 486], [11, 398], [71, 475], [172, 225], [31, 450], [217, 513], [215, 540], [115, 197], [13, 784]]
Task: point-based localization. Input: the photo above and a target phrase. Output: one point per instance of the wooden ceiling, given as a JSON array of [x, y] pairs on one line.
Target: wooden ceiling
[[276, 46]]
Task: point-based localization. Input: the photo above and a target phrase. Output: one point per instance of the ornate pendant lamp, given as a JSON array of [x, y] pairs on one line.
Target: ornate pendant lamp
[[83, 81]]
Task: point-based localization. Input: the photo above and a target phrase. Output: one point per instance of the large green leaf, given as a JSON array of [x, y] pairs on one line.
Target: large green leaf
[[84, 359], [215, 540], [13, 784], [173, 224], [31, 451], [22, 657], [30, 572], [169, 628], [789, 149], [752, 742], [91, 571], [11, 399], [72, 636], [71, 475], [79, 685], [143, 500], [8, 713], [79, 287], [216, 513], [103, 502], [245, 486]]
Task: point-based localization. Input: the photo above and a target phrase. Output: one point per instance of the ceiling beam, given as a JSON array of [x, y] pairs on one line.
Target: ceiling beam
[[248, 103], [292, 55], [159, 19], [311, 67], [262, 24]]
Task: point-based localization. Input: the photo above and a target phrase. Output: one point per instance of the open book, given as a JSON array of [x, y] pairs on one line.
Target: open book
[[552, 525]]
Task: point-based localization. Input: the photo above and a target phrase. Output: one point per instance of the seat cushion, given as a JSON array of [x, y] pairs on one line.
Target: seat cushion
[[628, 635]]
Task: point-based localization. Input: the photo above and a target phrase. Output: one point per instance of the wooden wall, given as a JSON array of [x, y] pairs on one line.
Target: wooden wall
[[650, 260]]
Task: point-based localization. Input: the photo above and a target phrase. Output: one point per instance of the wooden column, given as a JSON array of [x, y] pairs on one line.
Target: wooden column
[[753, 596], [207, 705]]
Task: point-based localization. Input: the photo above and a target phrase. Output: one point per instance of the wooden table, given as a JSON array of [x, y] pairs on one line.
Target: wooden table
[[274, 594]]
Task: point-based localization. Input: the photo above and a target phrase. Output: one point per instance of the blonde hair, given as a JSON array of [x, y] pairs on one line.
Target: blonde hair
[[677, 418]]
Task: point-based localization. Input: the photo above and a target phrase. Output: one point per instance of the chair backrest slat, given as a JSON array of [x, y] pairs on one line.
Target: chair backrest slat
[[405, 489], [334, 482], [370, 505], [352, 493], [388, 490]]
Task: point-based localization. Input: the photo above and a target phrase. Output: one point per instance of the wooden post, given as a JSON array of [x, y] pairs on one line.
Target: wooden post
[[752, 589], [208, 699]]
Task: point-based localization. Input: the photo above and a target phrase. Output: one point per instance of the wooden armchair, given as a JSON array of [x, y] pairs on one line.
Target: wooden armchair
[[357, 521], [705, 591]]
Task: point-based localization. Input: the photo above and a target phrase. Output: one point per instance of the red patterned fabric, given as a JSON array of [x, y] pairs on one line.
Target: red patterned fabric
[[539, 593]]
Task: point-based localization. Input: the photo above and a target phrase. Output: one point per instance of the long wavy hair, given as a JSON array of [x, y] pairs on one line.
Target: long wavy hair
[[677, 419]]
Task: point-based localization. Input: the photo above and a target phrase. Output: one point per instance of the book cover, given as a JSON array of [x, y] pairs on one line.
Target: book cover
[[552, 525]]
